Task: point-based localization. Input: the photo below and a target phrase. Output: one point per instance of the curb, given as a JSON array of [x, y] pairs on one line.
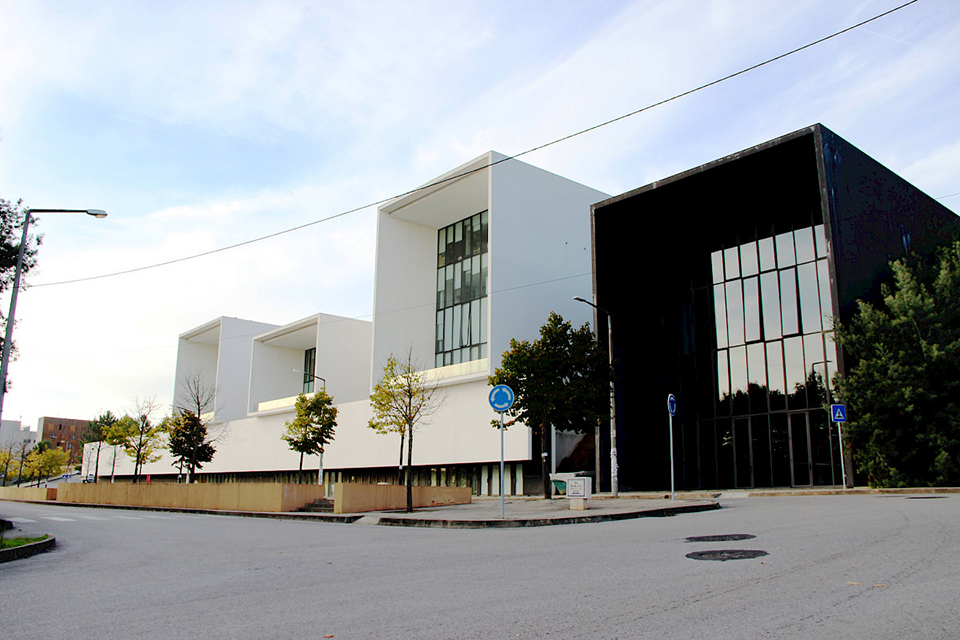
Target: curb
[[27, 550], [542, 522]]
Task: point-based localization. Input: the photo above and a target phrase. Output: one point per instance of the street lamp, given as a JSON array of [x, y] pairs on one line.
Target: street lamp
[[826, 378], [614, 471], [96, 213]]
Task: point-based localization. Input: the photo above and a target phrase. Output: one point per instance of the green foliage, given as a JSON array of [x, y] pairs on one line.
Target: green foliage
[[903, 392], [10, 543], [562, 379], [313, 426], [187, 441], [401, 400], [139, 437], [46, 462]]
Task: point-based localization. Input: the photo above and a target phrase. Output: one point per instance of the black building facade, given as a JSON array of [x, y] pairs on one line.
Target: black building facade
[[722, 283]]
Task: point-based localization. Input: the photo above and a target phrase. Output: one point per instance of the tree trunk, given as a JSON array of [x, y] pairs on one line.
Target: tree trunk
[[300, 472], [400, 477], [96, 466], [410, 470], [544, 468]]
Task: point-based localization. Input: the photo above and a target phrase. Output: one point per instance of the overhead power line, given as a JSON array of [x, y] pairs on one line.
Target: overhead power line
[[496, 162]]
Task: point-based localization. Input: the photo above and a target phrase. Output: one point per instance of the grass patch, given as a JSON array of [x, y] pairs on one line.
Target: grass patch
[[10, 543]]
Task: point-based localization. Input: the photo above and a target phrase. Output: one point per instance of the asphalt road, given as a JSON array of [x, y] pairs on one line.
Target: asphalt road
[[837, 567]]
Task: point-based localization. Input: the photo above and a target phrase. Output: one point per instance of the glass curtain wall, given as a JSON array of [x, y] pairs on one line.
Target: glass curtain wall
[[774, 357], [462, 265]]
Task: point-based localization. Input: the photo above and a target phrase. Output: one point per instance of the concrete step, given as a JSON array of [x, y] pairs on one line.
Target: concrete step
[[322, 505]]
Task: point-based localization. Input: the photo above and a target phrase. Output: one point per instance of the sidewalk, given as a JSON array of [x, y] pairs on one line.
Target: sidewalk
[[482, 513]]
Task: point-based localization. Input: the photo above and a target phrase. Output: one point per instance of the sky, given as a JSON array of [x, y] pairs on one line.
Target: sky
[[198, 125]]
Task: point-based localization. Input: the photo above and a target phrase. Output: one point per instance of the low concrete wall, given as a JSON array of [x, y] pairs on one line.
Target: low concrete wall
[[351, 497], [25, 493], [272, 497]]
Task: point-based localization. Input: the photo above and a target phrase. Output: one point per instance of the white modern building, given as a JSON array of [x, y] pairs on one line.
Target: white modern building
[[464, 264]]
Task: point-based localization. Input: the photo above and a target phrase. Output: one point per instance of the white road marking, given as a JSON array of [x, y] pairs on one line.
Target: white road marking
[[56, 519]]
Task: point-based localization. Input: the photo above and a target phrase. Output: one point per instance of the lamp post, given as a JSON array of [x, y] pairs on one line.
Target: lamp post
[[614, 471], [96, 213], [826, 385]]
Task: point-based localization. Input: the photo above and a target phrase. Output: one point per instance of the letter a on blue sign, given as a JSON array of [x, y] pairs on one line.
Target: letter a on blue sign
[[838, 412]]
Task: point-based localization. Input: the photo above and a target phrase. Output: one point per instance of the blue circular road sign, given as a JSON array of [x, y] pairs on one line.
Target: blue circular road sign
[[672, 404], [501, 398]]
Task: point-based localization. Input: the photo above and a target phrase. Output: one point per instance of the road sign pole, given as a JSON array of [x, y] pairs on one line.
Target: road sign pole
[[671, 410], [501, 399], [843, 465], [673, 493]]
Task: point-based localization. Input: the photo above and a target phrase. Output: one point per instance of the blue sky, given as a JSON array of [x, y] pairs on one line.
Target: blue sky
[[201, 124]]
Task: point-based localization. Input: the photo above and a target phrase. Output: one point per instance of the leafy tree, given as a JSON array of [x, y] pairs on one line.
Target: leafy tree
[[46, 461], [187, 442], [903, 388], [6, 459], [138, 436], [313, 426], [96, 433], [12, 216], [21, 451], [561, 379], [402, 400]]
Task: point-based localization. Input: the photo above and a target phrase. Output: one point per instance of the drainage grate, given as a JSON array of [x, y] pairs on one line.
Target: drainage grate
[[925, 497], [726, 537], [727, 554]]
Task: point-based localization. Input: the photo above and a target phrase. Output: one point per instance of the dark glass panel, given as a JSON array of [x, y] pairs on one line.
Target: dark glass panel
[[757, 375], [788, 302], [768, 257], [725, 466], [720, 314], [809, 297], [813, 354], [723, 384], [826, 304], [716, 262], [780, 450], [690, 474], [775, 376], [786, 256], [735, 312], [799, 447], [820, 448], [770, 303], [748, 259], [708, 455], [741, 448], [761, 452], [796, 372], [805, 249], [831, 356], [731, 263], [738, 380], [751, 309], [820, 238]]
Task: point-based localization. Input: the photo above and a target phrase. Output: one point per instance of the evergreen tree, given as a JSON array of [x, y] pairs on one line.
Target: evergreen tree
[[902, 387]]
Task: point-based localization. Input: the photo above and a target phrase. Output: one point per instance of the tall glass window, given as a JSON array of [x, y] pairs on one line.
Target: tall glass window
[[462, 266], [309, 368], [772, 310]]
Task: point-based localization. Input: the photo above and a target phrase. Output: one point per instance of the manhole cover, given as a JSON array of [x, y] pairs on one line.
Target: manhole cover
[[726, 537], [727, 554], [925, 497]]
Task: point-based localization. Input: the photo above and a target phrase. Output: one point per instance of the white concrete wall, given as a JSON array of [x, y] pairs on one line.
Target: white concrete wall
[[273, 373], [405, 301], [343, 356], [459, 433], [539, 252], [219, 351]]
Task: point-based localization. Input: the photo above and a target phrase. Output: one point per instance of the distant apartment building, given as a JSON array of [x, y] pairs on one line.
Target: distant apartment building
[[64, 433]]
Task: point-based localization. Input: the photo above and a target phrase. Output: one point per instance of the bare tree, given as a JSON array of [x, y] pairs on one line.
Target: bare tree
[[138, 435]]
